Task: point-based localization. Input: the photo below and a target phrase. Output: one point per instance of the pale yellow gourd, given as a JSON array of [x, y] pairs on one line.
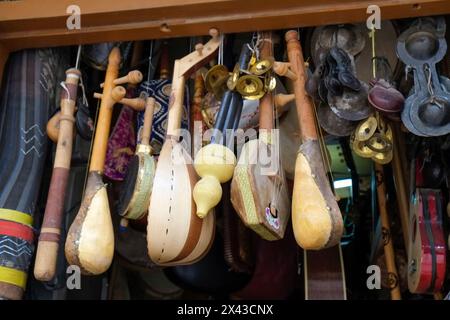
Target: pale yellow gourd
[[215, 164]]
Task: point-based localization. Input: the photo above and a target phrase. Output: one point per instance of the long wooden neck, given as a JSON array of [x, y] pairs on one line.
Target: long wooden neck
[[105, 114], [176, 102], [266, 102], [304, 104]]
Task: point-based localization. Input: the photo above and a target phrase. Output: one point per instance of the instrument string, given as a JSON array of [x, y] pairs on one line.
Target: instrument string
[[91, 147], [276, 126], [323, 147], [150, 61]]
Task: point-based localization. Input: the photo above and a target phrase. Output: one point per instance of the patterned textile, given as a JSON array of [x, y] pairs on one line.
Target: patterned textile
[[121, 143], [28, 99], [160, 90]]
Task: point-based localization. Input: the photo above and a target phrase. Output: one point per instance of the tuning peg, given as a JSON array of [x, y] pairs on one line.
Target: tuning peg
[[283, 99], [137, 104], [133, 77], [213, 32], [199, 48], [117, 94], [282, 69]]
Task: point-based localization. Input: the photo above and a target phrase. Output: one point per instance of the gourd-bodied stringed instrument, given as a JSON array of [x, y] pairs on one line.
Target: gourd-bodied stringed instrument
[[258, 190], [316, 217], [175, 234], [90, 240], [47, 250]]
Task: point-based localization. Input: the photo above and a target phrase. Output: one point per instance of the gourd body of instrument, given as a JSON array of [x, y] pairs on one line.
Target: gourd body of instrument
[[47, 250], [260, 196], [316, 218], [175, 235], [90, 240], [215, 162], [135, 194]]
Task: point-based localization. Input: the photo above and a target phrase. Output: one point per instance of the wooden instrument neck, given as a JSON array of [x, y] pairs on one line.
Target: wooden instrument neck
[[305, 108], [184, 68], [105, 113], [266, 102]]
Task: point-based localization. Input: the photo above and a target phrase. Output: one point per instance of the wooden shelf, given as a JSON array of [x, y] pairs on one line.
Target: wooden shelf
[[42, 23]]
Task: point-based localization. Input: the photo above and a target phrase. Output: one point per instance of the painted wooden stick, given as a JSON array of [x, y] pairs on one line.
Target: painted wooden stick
[[90, 240], [47, 250], [316, 217], [389, 254]]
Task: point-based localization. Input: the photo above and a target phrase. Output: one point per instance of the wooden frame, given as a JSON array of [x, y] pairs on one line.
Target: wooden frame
[[42, 23]]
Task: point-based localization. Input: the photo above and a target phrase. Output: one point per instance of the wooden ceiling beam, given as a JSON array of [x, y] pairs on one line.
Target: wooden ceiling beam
[[23, 24]]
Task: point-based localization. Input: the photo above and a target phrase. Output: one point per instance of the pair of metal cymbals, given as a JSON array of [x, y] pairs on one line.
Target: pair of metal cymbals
[[373, 139], [252, 84]]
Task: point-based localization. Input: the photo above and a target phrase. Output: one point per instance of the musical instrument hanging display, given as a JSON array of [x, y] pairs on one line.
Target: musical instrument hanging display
[[90, 239], [175, 235], [259, 191], [49, 238], [316, 217]]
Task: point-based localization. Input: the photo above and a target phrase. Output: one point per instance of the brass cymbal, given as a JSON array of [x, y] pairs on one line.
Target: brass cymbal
[[262, 66], [232, 80], [270, 82], [256, 96], [249, 85], [215, 80], [360, 148], [379, 143], [383, 158], [366, 129]]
